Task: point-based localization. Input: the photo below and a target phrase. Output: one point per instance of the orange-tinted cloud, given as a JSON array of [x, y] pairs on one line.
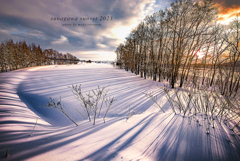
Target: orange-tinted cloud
[[227, 9]]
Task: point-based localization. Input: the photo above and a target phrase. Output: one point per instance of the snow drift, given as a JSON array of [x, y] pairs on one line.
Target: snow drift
[[135, 128]]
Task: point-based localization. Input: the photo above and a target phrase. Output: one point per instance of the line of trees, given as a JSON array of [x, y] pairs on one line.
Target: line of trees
[[167, 45], [19, 55]]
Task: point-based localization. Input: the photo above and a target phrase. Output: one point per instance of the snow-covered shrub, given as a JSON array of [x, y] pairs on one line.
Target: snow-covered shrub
[[154, 98], [59, 106], [92, 101], [109, 101], [207, 104]]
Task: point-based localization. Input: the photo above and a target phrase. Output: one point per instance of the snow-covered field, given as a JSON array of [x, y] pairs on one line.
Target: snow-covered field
[[149, 134]]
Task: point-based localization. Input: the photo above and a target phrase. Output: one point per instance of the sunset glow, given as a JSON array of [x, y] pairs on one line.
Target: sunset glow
[[200, 54], [33, 23]]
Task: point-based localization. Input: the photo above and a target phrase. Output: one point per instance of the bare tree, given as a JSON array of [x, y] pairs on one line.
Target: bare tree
[[232, 37]]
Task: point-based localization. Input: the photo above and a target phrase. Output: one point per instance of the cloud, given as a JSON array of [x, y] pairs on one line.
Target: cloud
[[60, 41], [227, 9], [96, 55], [227, 3], [31, 21], [101, 45]]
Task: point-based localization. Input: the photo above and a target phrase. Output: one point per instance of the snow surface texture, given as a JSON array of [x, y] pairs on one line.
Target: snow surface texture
[[149, 134]]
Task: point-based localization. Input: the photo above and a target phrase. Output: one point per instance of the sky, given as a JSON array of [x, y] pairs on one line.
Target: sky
[[95, 27]]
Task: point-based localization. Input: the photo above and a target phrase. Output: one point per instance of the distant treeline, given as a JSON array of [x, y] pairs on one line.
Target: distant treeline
[[19, 55]]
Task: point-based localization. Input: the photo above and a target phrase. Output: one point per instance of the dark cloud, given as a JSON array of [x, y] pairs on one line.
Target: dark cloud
[[31, 21], [228, 3], [228, 7]]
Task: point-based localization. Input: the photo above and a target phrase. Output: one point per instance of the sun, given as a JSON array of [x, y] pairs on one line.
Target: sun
[[200, 54]]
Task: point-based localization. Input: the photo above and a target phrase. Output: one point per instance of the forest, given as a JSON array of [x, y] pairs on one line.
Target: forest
[[185, 45], [19, 55]]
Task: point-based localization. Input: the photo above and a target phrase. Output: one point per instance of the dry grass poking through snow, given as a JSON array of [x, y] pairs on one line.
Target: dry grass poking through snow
[[91, 102], [204, 106]]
